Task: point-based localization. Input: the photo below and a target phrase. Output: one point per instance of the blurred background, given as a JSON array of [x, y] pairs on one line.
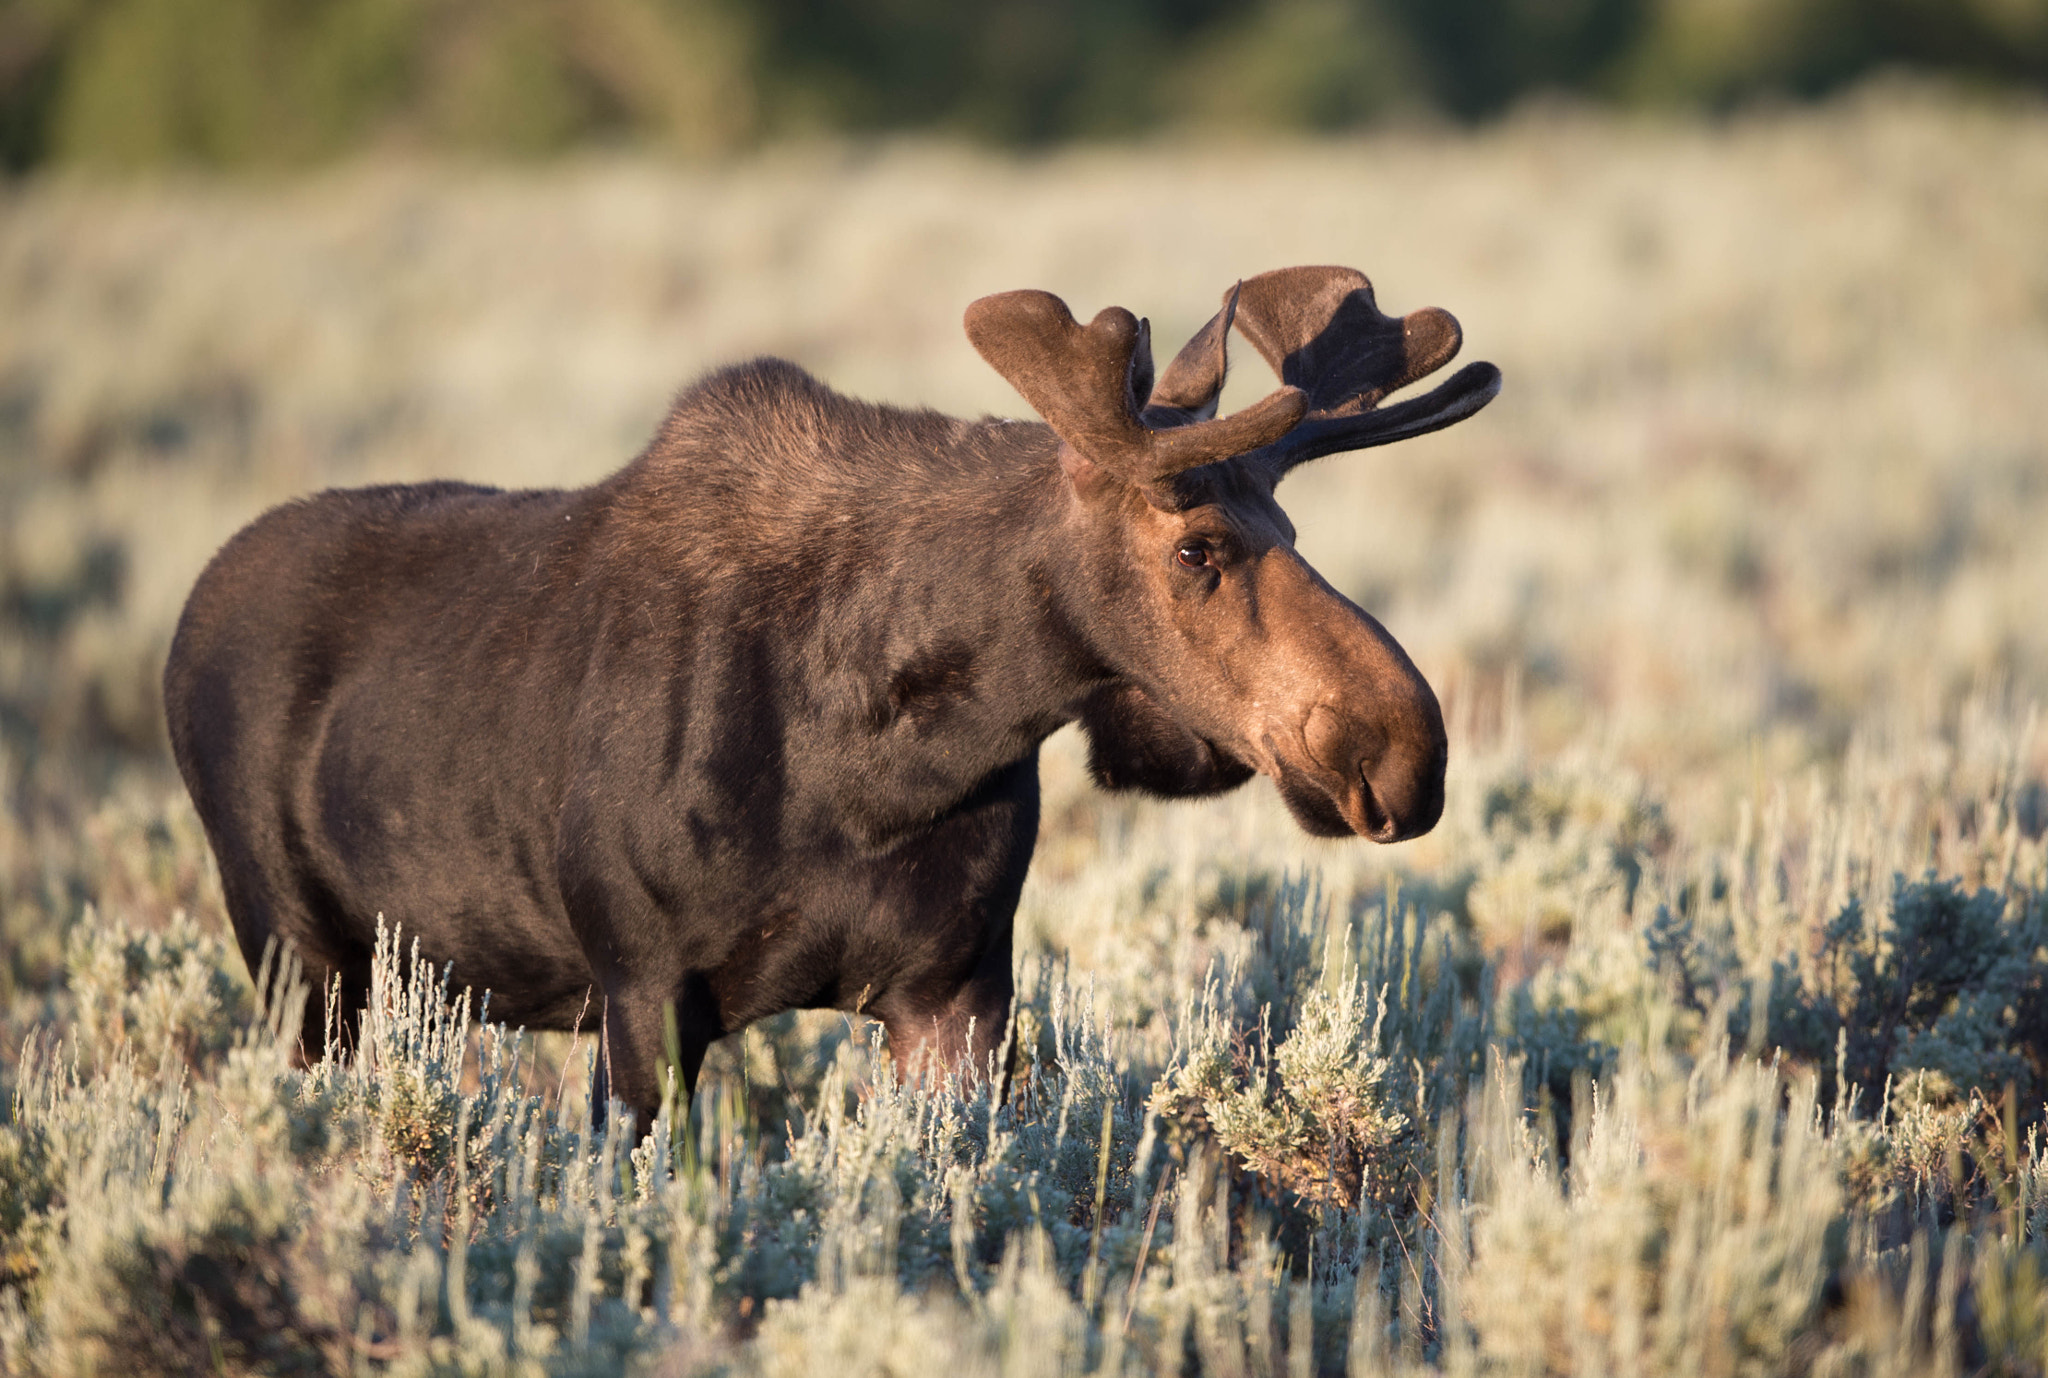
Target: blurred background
[[276, 83], [1767, 488]]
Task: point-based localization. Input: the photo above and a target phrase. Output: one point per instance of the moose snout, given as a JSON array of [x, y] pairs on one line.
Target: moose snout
[[1388, 769]]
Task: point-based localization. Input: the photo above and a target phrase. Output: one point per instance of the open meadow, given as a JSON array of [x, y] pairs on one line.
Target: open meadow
[[1707, 1033]]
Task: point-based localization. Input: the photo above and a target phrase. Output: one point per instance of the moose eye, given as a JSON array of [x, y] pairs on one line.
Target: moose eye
[[1192, 554]]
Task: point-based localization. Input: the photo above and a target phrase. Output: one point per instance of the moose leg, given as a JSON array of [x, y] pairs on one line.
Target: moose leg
[[281, 925], [329, 974], [349, 989], [955, 897], [633, 947], [633, 1054], [956, 1037]]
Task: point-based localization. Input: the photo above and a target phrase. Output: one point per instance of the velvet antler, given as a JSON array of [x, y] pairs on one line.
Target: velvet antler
[[1087, 382], [1322, 332]]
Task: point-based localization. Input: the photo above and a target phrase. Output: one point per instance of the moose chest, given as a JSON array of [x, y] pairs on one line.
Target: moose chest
[[772, 858]]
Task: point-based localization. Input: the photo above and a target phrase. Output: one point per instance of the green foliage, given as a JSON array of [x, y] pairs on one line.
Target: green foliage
[[269, 82], [266, 83], [28, 1191], [230, 81]]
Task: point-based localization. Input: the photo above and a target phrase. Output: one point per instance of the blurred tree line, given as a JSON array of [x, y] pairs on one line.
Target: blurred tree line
[[274, 82]]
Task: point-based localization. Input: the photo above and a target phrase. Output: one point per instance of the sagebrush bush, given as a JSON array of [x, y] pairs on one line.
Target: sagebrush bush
[[174, 991], [1318, 1116], [1947, 997], [1395, 1159]]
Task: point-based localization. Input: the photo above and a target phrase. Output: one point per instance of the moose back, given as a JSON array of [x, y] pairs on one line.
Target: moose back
[[753, 724]]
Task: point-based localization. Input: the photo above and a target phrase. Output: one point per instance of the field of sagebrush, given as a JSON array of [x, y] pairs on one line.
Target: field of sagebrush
[[1708, 1033]]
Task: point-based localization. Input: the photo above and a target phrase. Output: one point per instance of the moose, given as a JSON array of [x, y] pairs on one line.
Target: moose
[[753, 724]]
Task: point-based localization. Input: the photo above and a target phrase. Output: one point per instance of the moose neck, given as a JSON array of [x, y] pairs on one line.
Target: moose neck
[[948, 654], [889, 612]]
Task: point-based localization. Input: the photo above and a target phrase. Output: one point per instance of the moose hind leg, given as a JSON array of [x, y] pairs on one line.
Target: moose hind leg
[[336, 985]]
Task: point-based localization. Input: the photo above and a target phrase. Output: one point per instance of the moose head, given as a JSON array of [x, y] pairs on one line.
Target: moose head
[[1231, 654]]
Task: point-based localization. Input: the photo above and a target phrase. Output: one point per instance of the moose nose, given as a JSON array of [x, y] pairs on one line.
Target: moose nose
[[1391, 772], [1408, 785]]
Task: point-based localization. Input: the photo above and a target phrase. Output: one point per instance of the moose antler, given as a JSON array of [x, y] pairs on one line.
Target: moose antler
[[1322, 332], [1087, 381]]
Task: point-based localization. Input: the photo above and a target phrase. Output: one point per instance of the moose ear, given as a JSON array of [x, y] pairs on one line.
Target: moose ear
[[1193, 383], [1140, 374], [1080, 378]]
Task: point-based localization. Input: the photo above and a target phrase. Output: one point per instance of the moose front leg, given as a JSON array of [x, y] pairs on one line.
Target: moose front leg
[[634, 1052], [957, 1037], [941, 928]]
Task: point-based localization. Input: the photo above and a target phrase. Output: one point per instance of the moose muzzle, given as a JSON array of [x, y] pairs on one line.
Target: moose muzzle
[[1387, 785], [1363, 749]]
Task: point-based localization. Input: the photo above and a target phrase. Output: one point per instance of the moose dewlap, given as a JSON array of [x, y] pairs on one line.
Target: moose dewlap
[[753, 724]]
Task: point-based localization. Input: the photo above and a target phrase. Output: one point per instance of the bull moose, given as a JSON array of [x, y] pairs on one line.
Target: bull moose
[[753, 724]]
